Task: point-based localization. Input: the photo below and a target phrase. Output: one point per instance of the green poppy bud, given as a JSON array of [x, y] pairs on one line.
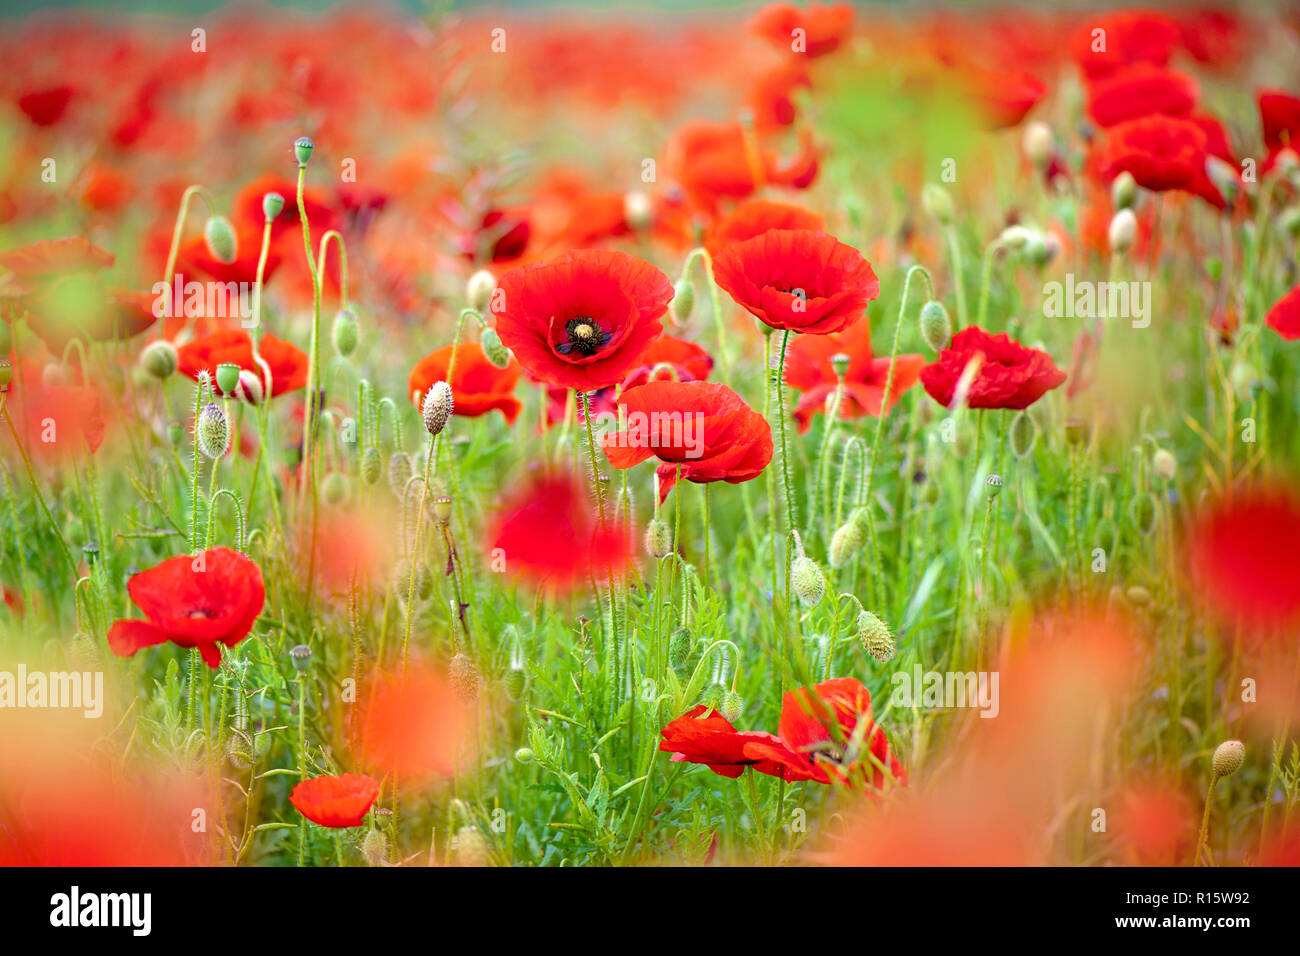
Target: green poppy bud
[[806, 580], [658, 539], [370, 465], [683, 303], [219, 235], [733, 705], [437, 407], [272, 206], [875, 637], [1024, 431], [494, 349], [335, 489], [159, 359], [344, 332], [937, 203], [936, 328]]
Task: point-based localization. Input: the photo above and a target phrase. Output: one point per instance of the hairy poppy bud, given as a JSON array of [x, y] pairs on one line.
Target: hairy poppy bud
[[713, 695], [936, 329], [227, 378], [1023, 433], [374, 848], [516, 681], [806, 579], [1038, 143], [272, 206], [479, 289], [1143, 512], [344, 332], [875, 637], [335, 489], [1228, 758], [848, 539], [465, 679], [494, 350], [683, 303], [679, 648], [159, 359], [1123, 191], [993, 485], [437, 408], [1122, 231], [1165, 464], [213, 430], [219, 235], [399, 472], [733, 705], [937, 203], [302, 148], [658, 539], [470, 847], [300, 654], [370, 465]]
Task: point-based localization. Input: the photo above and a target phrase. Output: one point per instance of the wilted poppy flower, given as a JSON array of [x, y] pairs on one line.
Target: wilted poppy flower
[[1243, 561], [583, 320], [548, 532], [814, 30], [797, 279], [193, 601], [1008, 375], [1161, 153], [1284, 317], [753, 217], [808, 368], [411, 725], [702, 428], [826, 734], [1279, 113], [287, 362], [1141, 90], [341, 801], [704, 736], [478, 385]]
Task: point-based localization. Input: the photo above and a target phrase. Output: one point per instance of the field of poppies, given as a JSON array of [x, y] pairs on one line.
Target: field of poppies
[[763, 435]]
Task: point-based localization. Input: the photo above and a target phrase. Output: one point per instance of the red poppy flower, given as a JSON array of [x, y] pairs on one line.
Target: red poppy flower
[[1004, 97], [1155, 824], [753, 217], [808, 368], [702, 428], [713, 162], [583, 320], [1279, 113], [58, 421], [341, 801], [798, 279], [1161, 153], [46, 107], [1141, 90], [1243, 560], [411, 725], [548, 533], [1113, 41], [500, 237], [1284, 317], [478, 385], [771, 97], [823, 27], [1009, 375], [670, 359], [1217, 142], [826, 734], [704, 736], [193, 601], [287, 362]]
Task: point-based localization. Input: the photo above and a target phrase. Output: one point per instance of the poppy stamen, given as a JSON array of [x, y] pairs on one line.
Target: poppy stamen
[[585, 336]]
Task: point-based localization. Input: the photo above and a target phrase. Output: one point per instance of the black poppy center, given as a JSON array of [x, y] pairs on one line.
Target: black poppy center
[[585, 336]]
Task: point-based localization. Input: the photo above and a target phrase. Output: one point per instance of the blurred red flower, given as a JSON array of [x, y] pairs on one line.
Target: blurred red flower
[[583, 320], [411, 725], [193, 601], [1279, 113], [46, 107], [1284, 317], [753, 217], [1008, 374], [714, 162], [478, 385], [1141, 90], [287, 362], [341, 801], [797, 279], [1161, 153], [1113, 41], [821, 27]]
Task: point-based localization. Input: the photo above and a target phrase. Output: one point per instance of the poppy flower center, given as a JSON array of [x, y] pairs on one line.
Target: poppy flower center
[[585, 336], [201, 614]]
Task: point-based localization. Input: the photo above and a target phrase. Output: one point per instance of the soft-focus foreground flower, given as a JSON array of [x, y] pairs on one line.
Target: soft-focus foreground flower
[[341, 801], [1006, 373], [412, 725], [479, 386]]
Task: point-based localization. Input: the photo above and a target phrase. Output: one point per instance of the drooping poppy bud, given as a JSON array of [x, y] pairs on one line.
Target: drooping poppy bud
[[733, 705], [936, 328], [875, 637], [219, 235], [494, 350], [344, 333], [683, 303], [806, 580], [370, 465]]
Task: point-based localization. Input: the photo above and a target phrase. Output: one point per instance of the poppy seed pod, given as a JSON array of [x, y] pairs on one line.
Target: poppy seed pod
[[272, 206], [370, 465], [937, 203], [399, 472], [494, 350], [840, 364], [1122, 231], [302, 149], [465, 679], [159, 359], [437, 407], [219, 235], [213, 431], [848, 539], [1023, 433], [335, 489], [733, 705], [936, 328], [442, 508], [1164, 464], [875, 637], [658, 539], [1228, 758], [993, 485], [683, 303], [344, 332], [300, 654], [806, 579], [227, 378], [479, 289], [1123, 191]]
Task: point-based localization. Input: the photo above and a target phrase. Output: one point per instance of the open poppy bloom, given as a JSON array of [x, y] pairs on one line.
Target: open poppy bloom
[[1008, 374], [753, 217], [704, 736], [200, 601], [826, 734], [797, 279], [478, 385], [1279, 114], [1284, 317], [583, 320], [703, 429], [808, 368], [287, 362], [341, 801], [1161, 153], [823, 26]]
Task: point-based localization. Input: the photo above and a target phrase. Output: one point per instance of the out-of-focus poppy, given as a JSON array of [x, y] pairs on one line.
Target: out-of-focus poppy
[[808, 368], [58, 421], [47, 106], [813, 30], [341, 801], [1007, 375], [1004, 97], [1161, 153], [1279, 114], [1141, 90], [671, 359], [797, 279], [583, 320], [714, 162], [287, 362], [1113, 41], [202, 601], [753, 217], [702, 429], [411, 725], [1155, 824], [1284, 317], [478, 385]]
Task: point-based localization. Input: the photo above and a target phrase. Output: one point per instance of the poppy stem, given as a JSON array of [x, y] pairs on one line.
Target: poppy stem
[[715, 304], [954, 253], [1205, 821], [791, 512], [307, 468], [174, 251]]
